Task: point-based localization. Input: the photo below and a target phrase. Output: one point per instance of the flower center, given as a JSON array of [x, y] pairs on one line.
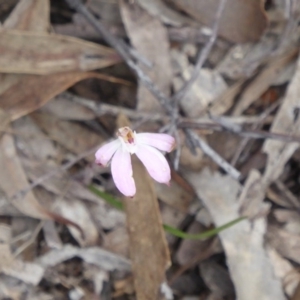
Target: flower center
[[127, 137]]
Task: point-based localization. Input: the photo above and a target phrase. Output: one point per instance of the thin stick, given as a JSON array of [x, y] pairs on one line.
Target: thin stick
[[254, 126], [122, 49], [101, 109], [234, 173], [202, 56]]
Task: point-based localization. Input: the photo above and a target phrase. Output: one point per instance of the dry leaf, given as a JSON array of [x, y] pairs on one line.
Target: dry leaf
[[242, 61], [172, 217], [286, 243], [28, 272], [117, 241], [40, 157], [39, 89], [75, 210], [253, 194], [32, 15], [248, 263], [241, 21], [190, 249], [262, 82], [26, 14], [93, 255], [157, 8], [51, 236], [30, 92], [224, 102], [74, 137], [38, 151], [287, 121], [13, 180], [44, 54], [34, 144], [143, 30], [284, 270], [217, 279], [174, 195], [208, 86], [66, 109]]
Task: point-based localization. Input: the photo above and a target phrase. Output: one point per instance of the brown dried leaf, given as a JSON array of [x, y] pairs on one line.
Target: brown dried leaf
[[174, 195], [150, 38], [66, 109], [225, 101], [190, 249], [217, 279], [242, 61], [286, 243], [157, 8], [190, 160], [262, 82], [286, 121], [93, 255], [13, 180], [208, 86], [148, 247], [28, 272], [23, 94], [76, 211], [25, 16], [32, 15], [74, 137], [117, 241], [39, 53], [285, 271], [241, 21], [39, 156], [30, 92]]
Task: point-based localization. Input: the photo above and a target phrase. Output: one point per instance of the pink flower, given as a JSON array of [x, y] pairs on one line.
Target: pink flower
[[145, 146]]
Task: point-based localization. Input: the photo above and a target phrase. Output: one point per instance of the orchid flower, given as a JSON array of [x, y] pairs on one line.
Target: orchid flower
[[144, 146]]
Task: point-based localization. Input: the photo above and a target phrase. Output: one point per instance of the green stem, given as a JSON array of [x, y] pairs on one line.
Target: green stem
[[169, 229]]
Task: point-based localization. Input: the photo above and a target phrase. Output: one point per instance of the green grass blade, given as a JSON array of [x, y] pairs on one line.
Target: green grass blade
[[169, 229], [107, 197], [203, 235]]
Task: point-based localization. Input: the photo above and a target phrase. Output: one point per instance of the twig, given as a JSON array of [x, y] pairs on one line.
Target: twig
[[254, 126], [31, 240], [178, 150], [122, 49], [202, 56], [234, 173], [101, 109], [288, 194], [254, 134], [200, 61]]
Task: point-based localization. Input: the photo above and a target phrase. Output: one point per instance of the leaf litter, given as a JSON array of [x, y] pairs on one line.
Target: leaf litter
[[210, 234]]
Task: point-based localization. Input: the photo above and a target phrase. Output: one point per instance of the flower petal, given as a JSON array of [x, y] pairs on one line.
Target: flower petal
[[106, 152], [121, 170], [161, 141], [155, 163]]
